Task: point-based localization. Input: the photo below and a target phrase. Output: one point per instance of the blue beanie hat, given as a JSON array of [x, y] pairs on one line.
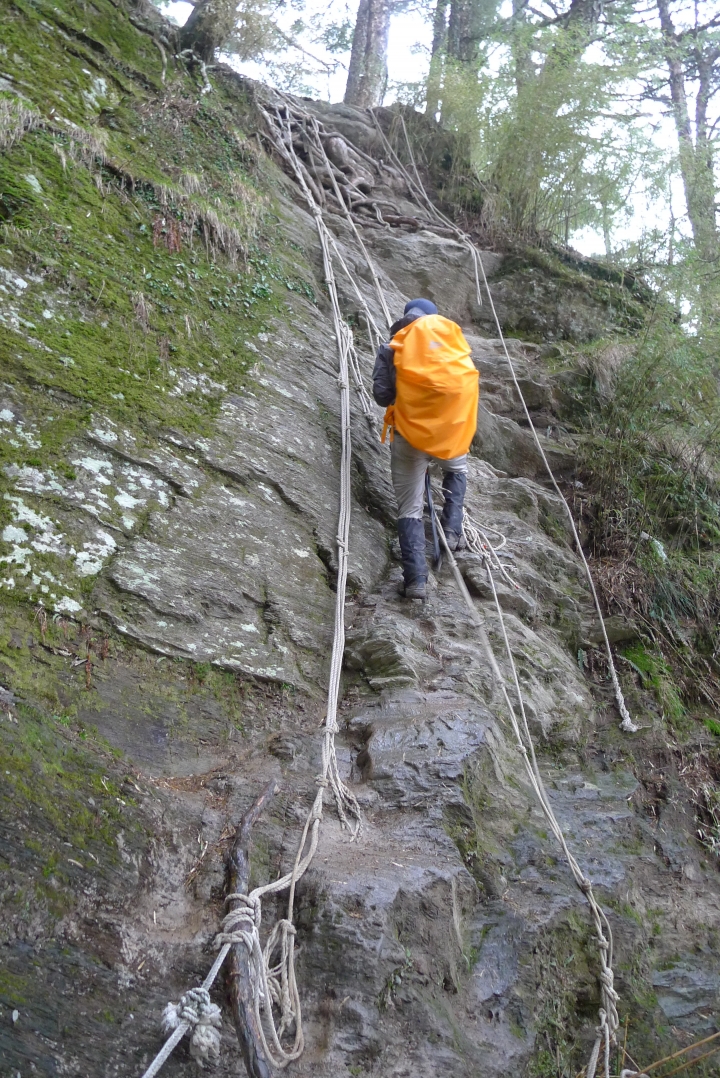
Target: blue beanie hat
[[425, 305]]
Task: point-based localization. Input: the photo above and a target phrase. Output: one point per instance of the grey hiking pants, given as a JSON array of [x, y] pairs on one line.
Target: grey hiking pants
[[408, 467]]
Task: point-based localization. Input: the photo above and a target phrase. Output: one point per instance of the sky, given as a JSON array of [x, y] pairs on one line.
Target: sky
[[408, 60], [407, 33]]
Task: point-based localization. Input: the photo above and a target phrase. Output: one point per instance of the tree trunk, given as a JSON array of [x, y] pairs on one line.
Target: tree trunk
[[367, 75], [704, 194], [463, 30], [607, 231], [521, 46], [695, 157], [439, 44], [469, 23], [238, 968], [209, 27], [469, 27]]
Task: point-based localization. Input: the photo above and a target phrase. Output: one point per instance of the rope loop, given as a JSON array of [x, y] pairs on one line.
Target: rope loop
[[242, 924], [251, 906]]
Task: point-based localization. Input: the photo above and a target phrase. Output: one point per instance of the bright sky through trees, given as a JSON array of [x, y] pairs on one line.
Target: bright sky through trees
[[323, 73]]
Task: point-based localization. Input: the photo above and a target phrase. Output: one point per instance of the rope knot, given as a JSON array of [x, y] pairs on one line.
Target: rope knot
[[249, 907], [204, 1018], [321, 781], [241, 925]]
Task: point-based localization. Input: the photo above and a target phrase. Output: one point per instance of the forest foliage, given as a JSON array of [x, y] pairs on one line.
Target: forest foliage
[[567, 109]]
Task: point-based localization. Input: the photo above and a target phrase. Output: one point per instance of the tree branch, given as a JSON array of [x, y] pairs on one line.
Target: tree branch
[[330, 66]]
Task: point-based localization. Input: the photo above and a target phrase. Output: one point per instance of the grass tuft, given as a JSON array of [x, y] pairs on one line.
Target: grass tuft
[[650, 507], [16, 120]]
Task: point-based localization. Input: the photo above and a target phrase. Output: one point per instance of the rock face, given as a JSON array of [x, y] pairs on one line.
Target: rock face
[[165, 653]]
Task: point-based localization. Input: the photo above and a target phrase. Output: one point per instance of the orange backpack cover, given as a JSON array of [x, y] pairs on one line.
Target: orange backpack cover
[[436, 405]]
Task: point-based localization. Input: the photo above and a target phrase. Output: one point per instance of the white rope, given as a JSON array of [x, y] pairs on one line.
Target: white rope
[[351, 221], [416, 185], [608, 1024], [205, 1019], [274, 983], [627, 724], [477, 540]]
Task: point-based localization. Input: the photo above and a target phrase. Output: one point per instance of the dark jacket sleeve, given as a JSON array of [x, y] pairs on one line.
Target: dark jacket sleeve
[[384, 376]]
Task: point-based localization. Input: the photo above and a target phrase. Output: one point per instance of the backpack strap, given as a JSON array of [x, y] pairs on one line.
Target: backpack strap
[[388, 423]]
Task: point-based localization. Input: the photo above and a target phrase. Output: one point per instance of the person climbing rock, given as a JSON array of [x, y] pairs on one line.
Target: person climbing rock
[[427, 382]]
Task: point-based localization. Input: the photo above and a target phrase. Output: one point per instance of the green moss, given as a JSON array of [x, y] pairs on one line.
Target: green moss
[[14, 988], [394, 982], [60, 802], [616, 291], [564, 992], [145, 248], [552, 525], [115, 318], [655, 675]]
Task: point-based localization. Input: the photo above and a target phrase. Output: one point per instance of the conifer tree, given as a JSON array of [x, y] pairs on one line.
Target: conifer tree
[[367, 74], [690, 55]]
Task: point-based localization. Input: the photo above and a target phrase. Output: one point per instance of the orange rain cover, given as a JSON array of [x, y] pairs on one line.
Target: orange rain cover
[[436, 405]]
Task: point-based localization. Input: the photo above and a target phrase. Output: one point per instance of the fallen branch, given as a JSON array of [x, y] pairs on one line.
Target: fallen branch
[[238, 968]]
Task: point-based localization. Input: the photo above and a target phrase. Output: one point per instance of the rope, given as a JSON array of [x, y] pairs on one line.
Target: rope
[[351, 221], [274, 983], [479, 543], [203, 1017], [343, 335], [416, 185]]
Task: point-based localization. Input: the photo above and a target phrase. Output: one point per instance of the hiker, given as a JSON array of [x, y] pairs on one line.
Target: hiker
[[428, 384]]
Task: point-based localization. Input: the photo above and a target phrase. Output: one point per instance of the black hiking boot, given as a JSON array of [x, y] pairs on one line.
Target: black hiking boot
[[454, 486], [418, 590], [411, 533], [454, 541]]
